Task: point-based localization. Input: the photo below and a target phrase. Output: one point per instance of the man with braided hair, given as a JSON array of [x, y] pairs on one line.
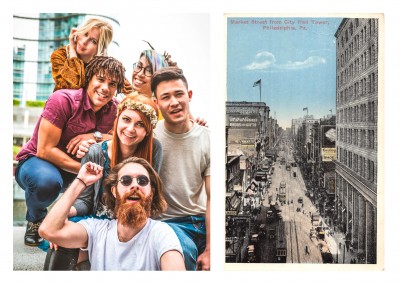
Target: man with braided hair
[[46, 163]]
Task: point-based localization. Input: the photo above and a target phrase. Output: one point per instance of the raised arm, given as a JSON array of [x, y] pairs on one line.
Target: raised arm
[[55, 227], [68, 72], [84, 204]]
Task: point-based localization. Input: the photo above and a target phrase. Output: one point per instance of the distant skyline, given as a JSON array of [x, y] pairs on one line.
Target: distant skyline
[[294, 57]]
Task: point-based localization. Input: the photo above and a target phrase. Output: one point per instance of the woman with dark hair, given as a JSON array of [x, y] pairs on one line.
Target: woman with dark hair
[[149, 62]]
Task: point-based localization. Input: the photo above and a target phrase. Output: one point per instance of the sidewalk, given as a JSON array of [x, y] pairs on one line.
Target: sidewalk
[[25, 257], [337, 247]]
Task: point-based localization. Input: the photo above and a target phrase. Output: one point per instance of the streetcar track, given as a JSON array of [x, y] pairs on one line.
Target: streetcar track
[[293, 226]]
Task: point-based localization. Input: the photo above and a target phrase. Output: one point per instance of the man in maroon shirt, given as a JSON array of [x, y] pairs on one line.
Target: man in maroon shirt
[[46, 164]]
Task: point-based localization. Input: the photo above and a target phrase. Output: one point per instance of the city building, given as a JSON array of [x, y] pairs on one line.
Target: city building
[[356, 125], [248, 126]]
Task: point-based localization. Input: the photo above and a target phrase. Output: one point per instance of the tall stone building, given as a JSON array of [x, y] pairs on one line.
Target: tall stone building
[[356, 124]]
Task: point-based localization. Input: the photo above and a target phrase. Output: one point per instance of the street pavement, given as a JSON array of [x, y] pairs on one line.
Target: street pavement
[[339, 252], [26, 258], [298, 223]]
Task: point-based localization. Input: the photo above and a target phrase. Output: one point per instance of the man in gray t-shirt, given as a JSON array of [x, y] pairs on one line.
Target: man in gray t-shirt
[[131, 241], [185, 169]]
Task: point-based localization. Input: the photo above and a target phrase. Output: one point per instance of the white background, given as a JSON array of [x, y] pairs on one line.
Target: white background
[[214, 111]]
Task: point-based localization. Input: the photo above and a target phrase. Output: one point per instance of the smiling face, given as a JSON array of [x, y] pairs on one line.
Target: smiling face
[[133, 204], [101, 89], [173, 100], [141, 82], [87, 44], [131, 128]]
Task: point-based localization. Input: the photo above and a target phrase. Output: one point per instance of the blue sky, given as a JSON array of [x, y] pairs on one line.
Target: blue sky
[[297, 67]]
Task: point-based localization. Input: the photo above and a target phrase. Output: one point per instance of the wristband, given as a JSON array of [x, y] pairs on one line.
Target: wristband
[[78, 178]]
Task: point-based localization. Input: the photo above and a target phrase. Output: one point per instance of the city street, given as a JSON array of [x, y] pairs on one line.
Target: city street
[[295, 216], [295, 221]]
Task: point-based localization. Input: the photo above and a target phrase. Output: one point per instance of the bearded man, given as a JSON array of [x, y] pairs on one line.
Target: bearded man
[[131, 241]]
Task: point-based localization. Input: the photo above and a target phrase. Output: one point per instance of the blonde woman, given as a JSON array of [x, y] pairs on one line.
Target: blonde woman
[[68, 62]]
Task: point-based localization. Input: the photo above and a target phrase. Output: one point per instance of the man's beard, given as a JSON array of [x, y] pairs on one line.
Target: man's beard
[[133, 214]]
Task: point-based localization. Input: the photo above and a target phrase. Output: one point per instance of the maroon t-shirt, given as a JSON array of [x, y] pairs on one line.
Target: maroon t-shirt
[[70, 110]]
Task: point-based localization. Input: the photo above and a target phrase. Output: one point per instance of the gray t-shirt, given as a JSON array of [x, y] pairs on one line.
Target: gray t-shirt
[[185, 164], [142, 252]]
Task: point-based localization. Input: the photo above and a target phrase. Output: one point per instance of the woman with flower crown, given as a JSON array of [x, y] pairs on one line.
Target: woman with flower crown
[[137, 116]]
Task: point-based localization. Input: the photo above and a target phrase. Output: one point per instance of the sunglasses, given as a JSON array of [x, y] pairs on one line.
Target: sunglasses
[[141, 180]]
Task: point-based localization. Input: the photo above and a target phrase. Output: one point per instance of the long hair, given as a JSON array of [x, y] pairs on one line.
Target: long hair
[[106, 33], [105, 65], [145, 148], [158, 204]]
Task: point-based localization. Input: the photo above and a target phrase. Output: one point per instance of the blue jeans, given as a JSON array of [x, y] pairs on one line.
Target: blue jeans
[[191, 232], [42, 182]]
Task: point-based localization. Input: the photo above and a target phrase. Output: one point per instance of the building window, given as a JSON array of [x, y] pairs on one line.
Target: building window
[[350, 160], [365, 60], [371, 139], [355, 162], [371, 171], [373, 82], [362, 36], [356, 138], [373, 111]]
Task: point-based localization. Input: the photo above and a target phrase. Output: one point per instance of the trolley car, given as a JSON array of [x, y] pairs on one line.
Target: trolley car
[[281, 248], [282, 194]]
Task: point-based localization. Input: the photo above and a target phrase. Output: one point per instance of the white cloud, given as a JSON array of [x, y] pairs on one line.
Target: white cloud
[[262, 61], [266, 60], [309, 62]]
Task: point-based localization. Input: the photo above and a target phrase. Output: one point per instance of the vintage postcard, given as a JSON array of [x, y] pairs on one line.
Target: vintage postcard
[[303, 152]]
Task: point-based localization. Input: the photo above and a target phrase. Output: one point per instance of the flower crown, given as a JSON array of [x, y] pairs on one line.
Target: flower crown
[[146, 109]]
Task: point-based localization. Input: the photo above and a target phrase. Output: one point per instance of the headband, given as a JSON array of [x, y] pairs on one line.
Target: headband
[[146, 109]]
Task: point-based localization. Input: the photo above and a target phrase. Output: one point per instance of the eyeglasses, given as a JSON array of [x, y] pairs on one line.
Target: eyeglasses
[[148, 71], [141, 180]]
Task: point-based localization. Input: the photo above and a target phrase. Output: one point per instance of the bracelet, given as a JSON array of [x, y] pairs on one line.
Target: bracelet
[[78, 178]]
